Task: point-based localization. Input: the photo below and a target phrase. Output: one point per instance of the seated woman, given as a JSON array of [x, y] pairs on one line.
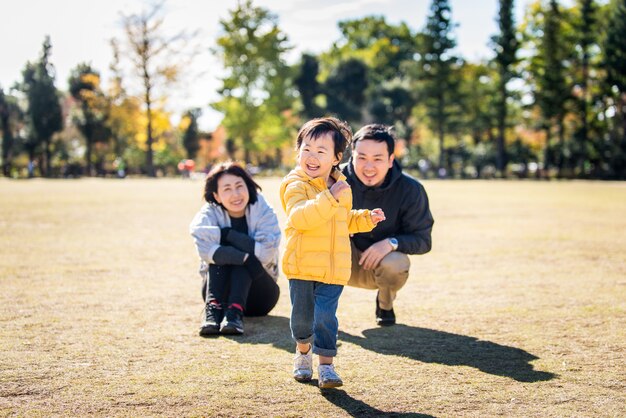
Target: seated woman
[[237, 235]]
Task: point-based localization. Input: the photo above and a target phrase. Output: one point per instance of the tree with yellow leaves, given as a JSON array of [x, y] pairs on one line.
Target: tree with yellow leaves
[[158, 60]]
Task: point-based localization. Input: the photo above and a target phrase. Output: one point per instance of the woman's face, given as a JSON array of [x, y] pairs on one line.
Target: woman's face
[[232, 193]]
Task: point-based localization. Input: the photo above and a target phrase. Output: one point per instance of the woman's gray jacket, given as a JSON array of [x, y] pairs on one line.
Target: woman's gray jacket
[[263, 227]]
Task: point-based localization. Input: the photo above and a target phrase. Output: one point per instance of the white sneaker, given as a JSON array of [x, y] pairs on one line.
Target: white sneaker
[[328, 377], [303, 366]]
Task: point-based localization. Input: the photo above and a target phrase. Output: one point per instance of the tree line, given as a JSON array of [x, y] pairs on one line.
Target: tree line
[[550, 103]]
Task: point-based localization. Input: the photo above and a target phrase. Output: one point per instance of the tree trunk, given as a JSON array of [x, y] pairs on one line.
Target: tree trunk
[[46, 171], [7, 146], [149, 156], [560, 154], [546, 155], [584, 131], [88, 157], [502, 114], [440, 129], [147, 83], [623, 114]]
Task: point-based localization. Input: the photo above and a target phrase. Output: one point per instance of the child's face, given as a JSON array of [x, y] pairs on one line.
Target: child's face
[[317, 156], [233, 194]]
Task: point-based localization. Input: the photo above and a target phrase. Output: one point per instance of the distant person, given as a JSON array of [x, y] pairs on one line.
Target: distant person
[[316, 261], [379, 258], [120, 166], [237, 236], [186, 168]]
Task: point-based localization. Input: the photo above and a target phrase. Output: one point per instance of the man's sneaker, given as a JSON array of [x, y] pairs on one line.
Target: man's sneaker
[[328, 377], [212, 317], [303, 365], [384, 317], [232, 323]]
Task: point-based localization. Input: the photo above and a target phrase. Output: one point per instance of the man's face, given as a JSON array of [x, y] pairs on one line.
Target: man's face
[[371, 162]]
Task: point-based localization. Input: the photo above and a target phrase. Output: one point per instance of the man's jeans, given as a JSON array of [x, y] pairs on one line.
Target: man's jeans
[[313, 315]]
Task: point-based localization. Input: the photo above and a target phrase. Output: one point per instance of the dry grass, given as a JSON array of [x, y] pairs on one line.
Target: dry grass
[[519, 310]]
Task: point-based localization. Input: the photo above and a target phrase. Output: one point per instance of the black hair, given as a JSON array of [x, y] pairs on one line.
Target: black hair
[[235, 169], [376, 132], [340, 132]]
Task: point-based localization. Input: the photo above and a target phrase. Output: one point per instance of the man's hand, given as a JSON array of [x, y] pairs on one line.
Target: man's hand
[[338, 189], [377, 215], [370, 259]]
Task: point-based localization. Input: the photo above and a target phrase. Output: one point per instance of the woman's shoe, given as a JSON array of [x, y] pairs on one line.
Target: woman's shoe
[[232, 324]]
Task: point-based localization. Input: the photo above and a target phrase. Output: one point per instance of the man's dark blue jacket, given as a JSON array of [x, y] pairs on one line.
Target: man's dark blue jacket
[[405, 203]]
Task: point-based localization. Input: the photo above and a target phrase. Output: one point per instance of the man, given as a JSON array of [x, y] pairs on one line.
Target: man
[[379, 257]]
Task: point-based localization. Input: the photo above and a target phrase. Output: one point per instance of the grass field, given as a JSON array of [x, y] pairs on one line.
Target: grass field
[[519, 310]]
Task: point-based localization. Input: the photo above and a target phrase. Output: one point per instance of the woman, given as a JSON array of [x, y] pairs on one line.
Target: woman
[[237, 237]]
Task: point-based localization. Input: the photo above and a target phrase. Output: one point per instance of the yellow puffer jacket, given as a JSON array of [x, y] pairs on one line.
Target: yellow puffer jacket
[[318, 229]]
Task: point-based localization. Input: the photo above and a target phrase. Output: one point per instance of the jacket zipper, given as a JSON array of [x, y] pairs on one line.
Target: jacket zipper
[[332, 248]]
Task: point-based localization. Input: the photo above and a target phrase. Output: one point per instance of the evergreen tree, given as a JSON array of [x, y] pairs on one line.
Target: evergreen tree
[[438, 69], [615, 65], [505, 45], [10, 117], [345, 90], [388, 51], [191, 135], [308, 86], [586, 38], [44, 115], [552, 90]]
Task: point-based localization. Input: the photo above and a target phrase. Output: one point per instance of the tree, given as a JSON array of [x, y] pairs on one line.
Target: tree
[[438, 69], [93, 109], [615, 65], [392, 104], [505, 46], [257, 84], [478, 90], [191, 134], [10, 117], [345, 90], [388, 51], [44, 115], [308, 86], [548, 76], [586, 38], [159, 61]]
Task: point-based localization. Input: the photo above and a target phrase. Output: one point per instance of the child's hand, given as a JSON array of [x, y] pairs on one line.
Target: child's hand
[[338, 189], [377, 215]]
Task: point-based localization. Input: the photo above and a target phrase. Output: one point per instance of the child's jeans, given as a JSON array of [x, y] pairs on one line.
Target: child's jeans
[[313, 315]]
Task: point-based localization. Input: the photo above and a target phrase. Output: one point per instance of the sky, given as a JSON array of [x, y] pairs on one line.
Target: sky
[[80, 31]]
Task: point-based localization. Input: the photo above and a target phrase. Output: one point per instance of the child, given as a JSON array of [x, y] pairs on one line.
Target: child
[[317, 259]]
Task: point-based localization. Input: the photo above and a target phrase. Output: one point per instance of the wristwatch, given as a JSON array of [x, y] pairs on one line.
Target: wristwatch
[[394, 243]]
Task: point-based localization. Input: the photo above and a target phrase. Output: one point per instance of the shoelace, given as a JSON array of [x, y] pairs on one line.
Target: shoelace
[[208, 313], [304, 361], [328, 373]]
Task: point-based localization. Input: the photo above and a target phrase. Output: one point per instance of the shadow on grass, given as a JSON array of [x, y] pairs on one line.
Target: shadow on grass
[[268, 330], [432, 346], [357, 408], [421, 344]]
